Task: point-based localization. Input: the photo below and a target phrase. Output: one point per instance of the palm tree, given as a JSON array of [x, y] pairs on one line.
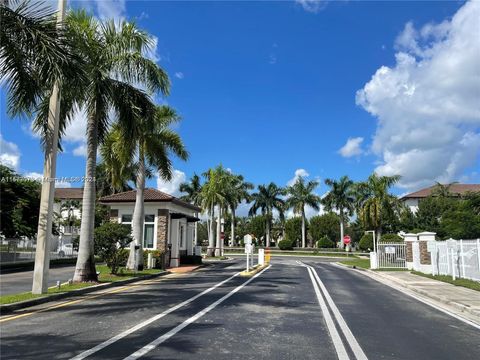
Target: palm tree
[[193, 191], [377, 204], [340, 197], [214, 195], [237, 192], [149, 149], [108, 177], [115, 65], [267, 199], [301, 195], [443, 190]]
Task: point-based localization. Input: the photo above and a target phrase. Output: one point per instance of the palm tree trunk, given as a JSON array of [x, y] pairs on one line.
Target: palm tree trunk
[[267, 235], [232, 228], [211, 239], [42, 252], [135, 258], [218, 248], [85, 268], [342, 245], [303, 228]]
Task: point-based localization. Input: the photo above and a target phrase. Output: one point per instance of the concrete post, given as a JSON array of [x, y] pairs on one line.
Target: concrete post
[[42, 252], [373, 260], [425, 257], [409, 238]]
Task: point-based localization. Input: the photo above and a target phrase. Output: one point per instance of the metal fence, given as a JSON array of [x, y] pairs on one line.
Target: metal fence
[[457, 258], [23, 250], [391, 256]]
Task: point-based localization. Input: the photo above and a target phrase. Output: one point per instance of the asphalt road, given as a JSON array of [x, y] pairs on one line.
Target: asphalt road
[[293, 310], [14, 283]]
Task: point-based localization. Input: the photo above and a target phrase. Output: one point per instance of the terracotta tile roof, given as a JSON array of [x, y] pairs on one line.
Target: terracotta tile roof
[[150, 195], [455, 189], [69, 193]]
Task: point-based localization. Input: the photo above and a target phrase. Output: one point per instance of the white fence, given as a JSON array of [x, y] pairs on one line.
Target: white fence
[[457, 258], [391, 255]]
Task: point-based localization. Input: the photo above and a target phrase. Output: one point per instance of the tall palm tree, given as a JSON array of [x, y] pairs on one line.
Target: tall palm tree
[[237, 191], [193, 190], [443, 190], [110, 178], [340, 197], [115, 66], [149, 149], [377, 204], [214, 195], [267, 199], [301, 195]]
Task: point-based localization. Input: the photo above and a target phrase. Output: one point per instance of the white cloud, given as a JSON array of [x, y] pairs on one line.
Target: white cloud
[[312, 6], [39, 177], [179, 75], [9, 154], [111, 9], [80, 150], [428, 104], [152, 52], [352, 147], [298, 173], [171, 187], [272, 60]]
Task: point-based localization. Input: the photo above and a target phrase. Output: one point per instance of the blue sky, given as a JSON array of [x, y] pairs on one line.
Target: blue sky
[[273, 88]]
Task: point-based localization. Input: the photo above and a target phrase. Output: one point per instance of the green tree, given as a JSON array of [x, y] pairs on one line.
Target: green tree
[[377, 206], [257, 227], [301, 195], [266, 199], [150, 148], [325, 225], [110, 239], [115, 65], [340, 197], [20, 202], [293, 230]]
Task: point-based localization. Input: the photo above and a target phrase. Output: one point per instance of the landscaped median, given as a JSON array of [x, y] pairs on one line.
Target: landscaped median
[[105, 280], [257, 268]]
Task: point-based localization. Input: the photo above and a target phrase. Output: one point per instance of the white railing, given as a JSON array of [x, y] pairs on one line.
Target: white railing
[[457, 258], [391, 255]]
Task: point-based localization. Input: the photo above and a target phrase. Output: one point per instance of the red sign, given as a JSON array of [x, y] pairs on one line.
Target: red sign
[[346, 239], [222, 235]]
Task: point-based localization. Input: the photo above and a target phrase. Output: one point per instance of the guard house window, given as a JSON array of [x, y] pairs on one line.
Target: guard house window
[[148, 231], [127, 220]]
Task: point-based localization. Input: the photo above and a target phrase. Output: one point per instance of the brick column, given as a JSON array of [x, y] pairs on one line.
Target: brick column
[[409, 239], [425, 256], [162, 229]]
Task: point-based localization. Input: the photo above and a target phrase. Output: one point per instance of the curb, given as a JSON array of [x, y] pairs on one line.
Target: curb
[[441, 299], [253, 271], [8, 308]]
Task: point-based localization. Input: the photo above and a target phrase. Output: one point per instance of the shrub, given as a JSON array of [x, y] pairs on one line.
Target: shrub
[[285, 245], [110, 239], [391, 238], [325, 242], [325, 225], [156, 254], [366, 242]]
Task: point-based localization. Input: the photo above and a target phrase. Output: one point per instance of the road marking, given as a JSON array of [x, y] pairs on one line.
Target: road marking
[[149, 347], [114, 339], [66, 303], [334, 335], [415, 296], [352, 341]]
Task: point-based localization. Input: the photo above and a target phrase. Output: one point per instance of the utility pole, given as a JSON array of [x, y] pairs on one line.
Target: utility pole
[[44, 233]]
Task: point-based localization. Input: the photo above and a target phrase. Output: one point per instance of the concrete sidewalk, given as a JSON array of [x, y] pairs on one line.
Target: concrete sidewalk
[[465, 300]]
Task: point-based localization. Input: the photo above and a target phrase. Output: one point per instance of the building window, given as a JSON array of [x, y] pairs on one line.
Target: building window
[[148, 231], [181, 236], [127, 220]]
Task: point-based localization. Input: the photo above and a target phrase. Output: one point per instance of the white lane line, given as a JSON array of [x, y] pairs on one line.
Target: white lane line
[[418, 297], [149, 347], [334, 335], [352, 341], [137, 327]]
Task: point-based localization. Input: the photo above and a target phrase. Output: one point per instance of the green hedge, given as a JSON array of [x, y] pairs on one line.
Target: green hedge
[[325, 243], [366, 242], [285, 245], [391, 238]]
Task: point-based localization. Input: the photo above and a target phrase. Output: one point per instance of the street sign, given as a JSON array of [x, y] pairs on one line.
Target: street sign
[[389, 249], [248, 248], [222, 235], [247, 239], [347, 239]]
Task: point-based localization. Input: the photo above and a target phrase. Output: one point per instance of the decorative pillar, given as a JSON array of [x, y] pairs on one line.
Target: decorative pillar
[[409, 239], [425, 257]]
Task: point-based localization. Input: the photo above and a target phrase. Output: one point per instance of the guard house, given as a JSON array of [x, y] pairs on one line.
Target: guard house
[[169, 221]]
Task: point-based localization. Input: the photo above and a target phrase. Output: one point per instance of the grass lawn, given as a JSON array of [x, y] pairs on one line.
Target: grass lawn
[[470, 284], [103, 277], [357, 262]]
